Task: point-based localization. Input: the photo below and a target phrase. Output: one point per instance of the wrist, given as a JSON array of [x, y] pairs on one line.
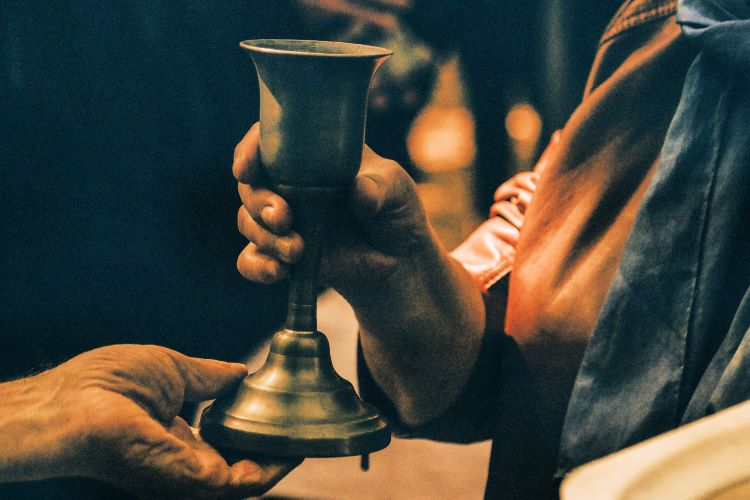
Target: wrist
[[424, 311], [389, 282], [38, 437], [423, 290]]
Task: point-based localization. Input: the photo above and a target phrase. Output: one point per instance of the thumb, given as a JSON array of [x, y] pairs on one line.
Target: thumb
[[375, 184], [386, 205], [207, 378]]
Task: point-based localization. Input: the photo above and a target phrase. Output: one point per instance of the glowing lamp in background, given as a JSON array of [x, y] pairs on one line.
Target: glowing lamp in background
[[442, 138], [524, 127]]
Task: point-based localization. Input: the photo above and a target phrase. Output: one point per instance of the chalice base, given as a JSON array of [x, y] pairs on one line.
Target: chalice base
[[296, 405]]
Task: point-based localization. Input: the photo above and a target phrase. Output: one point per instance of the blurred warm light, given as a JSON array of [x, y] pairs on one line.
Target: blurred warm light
[[523, 123], [524, 127], [442, 138]]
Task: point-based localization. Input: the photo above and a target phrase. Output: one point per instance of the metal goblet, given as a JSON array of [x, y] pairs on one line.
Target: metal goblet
[[313, 100]]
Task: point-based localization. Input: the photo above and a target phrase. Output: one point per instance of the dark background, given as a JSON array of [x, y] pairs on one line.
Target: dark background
[[117, 202], [117, 126]]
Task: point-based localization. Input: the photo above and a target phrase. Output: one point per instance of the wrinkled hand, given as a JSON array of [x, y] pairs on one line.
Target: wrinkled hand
[[381, 254], [380, 227], [120, 405]]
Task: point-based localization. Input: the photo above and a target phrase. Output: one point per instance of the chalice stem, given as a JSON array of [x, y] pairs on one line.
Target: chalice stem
[[310, 207], [303, 289]]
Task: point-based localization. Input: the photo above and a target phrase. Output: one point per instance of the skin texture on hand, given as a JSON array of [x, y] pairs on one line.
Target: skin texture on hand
[[110, 414], [414, 302], [380, 224]]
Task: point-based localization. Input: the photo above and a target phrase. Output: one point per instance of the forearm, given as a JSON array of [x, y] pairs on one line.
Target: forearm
[[34, 435], [421, 331]]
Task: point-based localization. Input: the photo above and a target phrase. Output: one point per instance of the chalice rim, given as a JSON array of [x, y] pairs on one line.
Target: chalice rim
[[294, 47]]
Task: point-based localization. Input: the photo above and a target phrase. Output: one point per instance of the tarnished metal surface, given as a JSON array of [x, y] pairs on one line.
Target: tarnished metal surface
[[313, 98], [296, 405], [312, 124]]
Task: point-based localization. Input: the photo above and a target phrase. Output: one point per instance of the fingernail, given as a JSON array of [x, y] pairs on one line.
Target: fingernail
[[245, 472], [271, 271], [266, 214], [275, 271], [238, 366]]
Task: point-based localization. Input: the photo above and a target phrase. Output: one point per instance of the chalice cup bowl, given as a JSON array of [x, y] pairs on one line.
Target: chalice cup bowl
[[313, 101]]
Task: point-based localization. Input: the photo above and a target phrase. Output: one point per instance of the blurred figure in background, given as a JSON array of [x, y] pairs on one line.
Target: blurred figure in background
[[400, 88], [510, 52]]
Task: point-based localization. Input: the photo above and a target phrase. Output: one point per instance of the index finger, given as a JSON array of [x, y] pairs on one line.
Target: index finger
[[246, 162]]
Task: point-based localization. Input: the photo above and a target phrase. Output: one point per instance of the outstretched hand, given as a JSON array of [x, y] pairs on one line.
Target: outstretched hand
[[114, 412]]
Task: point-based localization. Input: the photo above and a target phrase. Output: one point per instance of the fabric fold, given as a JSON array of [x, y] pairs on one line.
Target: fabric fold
[[673, 327]]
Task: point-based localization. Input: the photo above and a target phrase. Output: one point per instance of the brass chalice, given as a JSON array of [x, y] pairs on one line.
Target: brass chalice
[[313, 99]]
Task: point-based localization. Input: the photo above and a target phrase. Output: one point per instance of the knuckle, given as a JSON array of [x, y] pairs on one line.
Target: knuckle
[[240, 264], [241, 217], [257, 268], [264, 240], [241, 164], [269, 271], [247, 269]]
